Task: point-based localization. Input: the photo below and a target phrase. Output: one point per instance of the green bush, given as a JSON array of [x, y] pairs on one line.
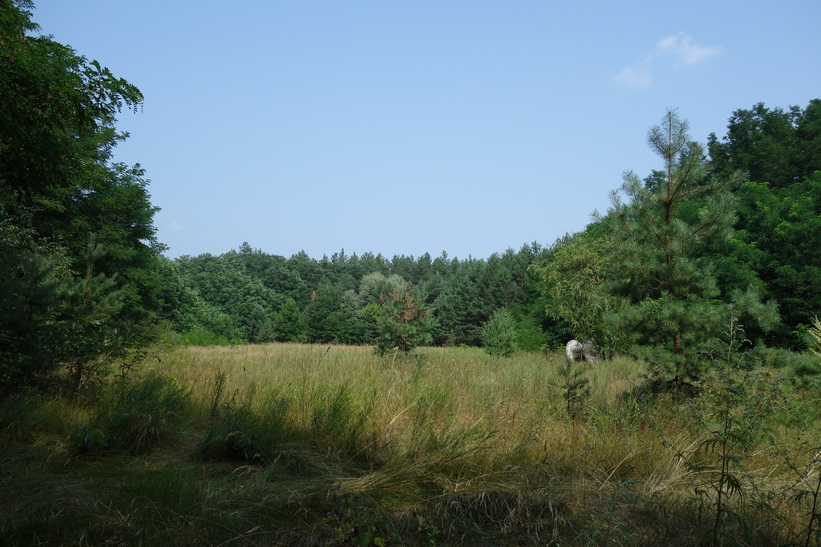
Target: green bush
[[499, 336], [202, 337], [135, 415]]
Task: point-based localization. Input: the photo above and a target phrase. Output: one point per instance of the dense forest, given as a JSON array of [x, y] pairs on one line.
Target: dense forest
[[726, 230]]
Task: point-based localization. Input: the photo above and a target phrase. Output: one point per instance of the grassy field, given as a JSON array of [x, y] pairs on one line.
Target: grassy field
[[288, 444]]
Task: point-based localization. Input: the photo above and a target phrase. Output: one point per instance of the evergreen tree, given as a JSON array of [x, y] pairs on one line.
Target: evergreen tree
[[404, 323], [460, 310], [671, 307], [289, 326], [499, 335]]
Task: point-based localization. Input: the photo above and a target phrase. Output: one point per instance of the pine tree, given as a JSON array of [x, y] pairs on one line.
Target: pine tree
[[289, 326], [672, 306], [404, 323], [499, 336]]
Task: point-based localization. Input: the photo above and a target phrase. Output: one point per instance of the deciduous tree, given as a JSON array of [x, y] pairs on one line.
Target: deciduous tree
[[59, 189]]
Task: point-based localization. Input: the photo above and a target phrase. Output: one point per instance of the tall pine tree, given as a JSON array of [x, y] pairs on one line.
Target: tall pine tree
[[672, 306]]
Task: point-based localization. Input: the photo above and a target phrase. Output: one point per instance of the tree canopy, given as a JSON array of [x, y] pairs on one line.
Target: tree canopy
[[80, 257]]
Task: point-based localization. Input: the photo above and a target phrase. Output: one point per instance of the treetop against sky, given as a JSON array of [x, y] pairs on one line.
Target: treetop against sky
[[405, 129]]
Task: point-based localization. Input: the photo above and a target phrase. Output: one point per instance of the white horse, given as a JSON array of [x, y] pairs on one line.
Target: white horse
[[576, 351]]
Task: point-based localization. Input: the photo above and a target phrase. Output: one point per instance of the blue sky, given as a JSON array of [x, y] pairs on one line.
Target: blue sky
[[425, 126]]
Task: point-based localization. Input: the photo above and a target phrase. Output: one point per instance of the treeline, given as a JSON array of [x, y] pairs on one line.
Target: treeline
[[250, 296]]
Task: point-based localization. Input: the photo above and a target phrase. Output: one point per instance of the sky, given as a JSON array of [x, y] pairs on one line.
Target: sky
[[401, 128]]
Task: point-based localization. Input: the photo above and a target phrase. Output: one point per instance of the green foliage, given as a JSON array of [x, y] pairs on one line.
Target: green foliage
[[90, 334], [779, 209], [783, 224], [188, 312], [427, 531], [572, 278], [671, 307], [289, 326], [532, 327], [405, 322], [375, 285], [499, 335], [30, 277], [773, 145], [77, 229], [369, 319], [135, 415], [218, 291], [732, 414], [341, 297], [460, 309], [331, 316]]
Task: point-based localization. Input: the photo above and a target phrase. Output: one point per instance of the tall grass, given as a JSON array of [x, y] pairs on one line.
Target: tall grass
[[405, 402], [301, 444]]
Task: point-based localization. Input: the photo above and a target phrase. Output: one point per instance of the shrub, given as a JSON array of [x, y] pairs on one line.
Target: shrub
[[202, 337], [405, 323], [499, 336], [135, 415]]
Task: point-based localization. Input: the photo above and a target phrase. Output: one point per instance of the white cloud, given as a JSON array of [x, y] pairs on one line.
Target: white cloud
[[671, 52], [175, 227], [682, 48]]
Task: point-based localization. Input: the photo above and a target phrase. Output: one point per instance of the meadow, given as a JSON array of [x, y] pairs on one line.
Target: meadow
[[289, 444]]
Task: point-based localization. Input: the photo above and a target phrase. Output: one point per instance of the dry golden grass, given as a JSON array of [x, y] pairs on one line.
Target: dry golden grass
[[518, 400], [486, 420], [485, 449]]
